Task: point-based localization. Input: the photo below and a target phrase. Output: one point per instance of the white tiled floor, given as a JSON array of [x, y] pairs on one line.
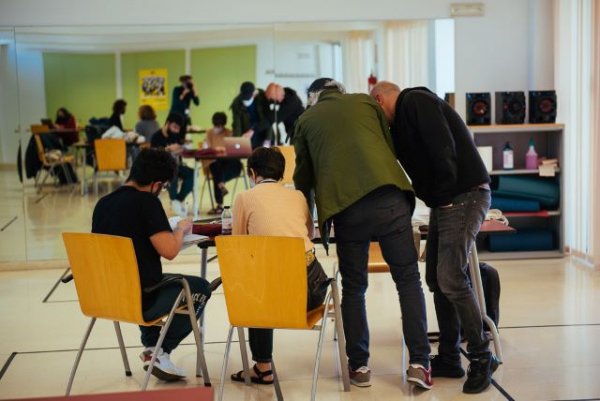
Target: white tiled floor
[[549, 327]]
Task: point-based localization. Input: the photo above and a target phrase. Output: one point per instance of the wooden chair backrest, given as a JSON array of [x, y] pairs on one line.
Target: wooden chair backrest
[[106, 276], [111, 154], [264, 280], [290, 163]]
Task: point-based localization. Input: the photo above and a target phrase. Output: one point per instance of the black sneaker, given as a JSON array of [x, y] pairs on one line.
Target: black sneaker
[[479, 376], [442, 368]]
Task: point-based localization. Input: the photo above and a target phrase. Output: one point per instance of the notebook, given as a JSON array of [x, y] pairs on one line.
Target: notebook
[[237, 147]]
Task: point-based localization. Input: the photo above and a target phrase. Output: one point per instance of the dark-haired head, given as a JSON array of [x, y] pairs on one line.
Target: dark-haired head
[[152, 165], [119, 106], [266, 163], [63, 115], [146, 112], [219, 119]]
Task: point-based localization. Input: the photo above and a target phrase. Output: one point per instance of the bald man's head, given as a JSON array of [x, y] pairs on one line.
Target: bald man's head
[[275, 92], [386, 94]]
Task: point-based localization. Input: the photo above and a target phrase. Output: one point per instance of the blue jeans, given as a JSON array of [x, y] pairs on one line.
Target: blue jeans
[[187, 176], [223, 171], [452, 232], [383, 215], [180, 326]]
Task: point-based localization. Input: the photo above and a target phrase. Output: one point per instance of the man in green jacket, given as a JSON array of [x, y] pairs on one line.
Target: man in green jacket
[[345, 159]]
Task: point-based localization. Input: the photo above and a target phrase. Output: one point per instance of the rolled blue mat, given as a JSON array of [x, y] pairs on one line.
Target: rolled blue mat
[[514, 204], [547, 192], [522, 240]]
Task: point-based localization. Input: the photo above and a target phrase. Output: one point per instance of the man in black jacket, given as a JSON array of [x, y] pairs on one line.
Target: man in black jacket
[[284, 107], [437, 150], [250, 120]]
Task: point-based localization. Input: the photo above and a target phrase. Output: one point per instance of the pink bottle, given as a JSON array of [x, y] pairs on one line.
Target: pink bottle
[[531, 158]]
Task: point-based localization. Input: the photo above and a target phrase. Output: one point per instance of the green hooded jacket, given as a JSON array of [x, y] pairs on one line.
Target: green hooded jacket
[[344, 150]]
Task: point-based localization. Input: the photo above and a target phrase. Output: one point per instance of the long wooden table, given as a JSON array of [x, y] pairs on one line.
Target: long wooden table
[[176, 394]]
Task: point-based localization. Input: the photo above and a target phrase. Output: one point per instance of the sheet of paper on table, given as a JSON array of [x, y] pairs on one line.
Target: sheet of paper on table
[[188, 239]]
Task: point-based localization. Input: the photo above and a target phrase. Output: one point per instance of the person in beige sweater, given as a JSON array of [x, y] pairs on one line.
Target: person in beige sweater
[[269, 208]]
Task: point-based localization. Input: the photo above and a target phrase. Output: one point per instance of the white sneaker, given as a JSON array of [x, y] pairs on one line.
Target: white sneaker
[[177, 208], [163, 369]]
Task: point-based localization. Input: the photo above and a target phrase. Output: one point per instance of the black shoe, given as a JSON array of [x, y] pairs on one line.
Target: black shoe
[[215, 284], [479, 376], [442, 368]]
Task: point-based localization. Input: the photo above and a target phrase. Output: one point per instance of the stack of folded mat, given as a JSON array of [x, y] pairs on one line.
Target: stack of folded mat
[[524, 194]]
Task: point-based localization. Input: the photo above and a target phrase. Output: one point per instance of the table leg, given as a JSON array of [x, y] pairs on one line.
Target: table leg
[[203, 267], [83, 177], [478, 288], [196, 192]]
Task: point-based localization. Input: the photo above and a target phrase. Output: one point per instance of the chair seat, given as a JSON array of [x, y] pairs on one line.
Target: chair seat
[[313, 316], [378, 267]]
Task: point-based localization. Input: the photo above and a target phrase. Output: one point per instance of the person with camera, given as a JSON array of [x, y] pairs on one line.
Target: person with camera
[[183, 95]]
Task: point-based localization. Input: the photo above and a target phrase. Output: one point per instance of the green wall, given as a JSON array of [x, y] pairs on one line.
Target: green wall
[[218, 74], [85, 84], [131, 63]]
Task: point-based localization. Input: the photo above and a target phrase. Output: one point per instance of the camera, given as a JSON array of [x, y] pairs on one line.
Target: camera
[[189, 85]]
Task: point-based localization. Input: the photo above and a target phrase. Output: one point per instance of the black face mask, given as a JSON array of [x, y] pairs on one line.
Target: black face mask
[[156, 193]]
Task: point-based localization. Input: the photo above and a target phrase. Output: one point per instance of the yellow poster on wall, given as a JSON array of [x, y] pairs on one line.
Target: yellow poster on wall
[[153, 88]]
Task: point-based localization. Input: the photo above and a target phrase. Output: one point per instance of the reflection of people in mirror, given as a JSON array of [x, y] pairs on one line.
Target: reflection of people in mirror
[[183, 96], [118, 109], [250, 115], [64, 119], [222, 170], [170, 138], [285, 107]]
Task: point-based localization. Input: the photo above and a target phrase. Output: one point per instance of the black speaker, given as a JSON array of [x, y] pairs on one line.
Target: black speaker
[[479, 108], [510, 107], [449, 98], [542, 107]]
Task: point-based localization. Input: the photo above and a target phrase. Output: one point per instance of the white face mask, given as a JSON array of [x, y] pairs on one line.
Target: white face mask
[[248, 102], [217, 130]]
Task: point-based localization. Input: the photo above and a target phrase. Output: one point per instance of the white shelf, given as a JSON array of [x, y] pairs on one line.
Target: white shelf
[[522, 171], [504, 128], [486, 255]]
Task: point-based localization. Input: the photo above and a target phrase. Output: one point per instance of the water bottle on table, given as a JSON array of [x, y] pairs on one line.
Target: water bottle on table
[[226, 221]]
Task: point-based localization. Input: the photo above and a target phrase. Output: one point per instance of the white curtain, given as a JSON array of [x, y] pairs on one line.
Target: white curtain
[[359, 60], [406, 53], [577, 69]]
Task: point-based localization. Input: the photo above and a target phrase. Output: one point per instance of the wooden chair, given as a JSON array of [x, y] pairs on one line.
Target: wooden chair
[[108, 286], [290, 164], [49, 164], [110, 155], [265, 286]]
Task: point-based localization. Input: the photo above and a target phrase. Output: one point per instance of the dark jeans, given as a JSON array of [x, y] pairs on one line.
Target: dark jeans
[[452, 232], [223, 171], [383, 215], [261, 340], [187, 176], [181, 325]]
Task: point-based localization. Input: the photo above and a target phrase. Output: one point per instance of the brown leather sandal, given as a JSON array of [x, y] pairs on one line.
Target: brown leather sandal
[[258, 379]]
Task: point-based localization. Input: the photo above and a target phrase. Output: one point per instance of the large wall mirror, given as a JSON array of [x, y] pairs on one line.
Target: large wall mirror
[[85, 69]]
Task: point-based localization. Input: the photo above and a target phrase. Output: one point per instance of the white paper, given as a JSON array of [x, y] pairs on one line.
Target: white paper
[[188, 239]]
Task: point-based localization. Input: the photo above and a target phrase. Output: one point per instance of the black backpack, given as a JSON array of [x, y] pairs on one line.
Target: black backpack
[[490, 281]]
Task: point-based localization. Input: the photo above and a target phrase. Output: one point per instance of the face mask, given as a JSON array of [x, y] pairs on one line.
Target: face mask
[[248, 102], [217, 130]]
